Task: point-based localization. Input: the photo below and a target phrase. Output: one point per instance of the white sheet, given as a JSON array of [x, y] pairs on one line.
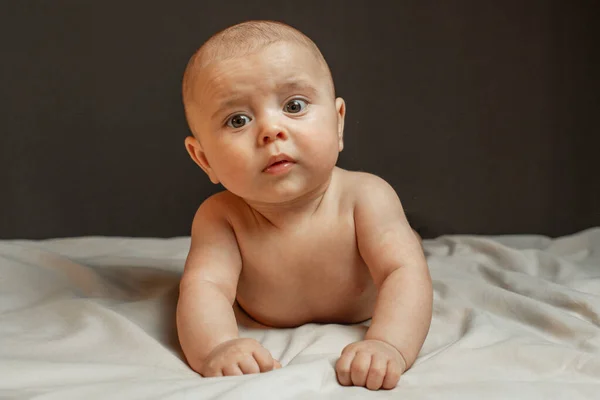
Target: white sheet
[[93, 318]]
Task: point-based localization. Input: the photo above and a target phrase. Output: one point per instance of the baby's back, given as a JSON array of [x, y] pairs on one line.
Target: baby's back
[[310, 269]]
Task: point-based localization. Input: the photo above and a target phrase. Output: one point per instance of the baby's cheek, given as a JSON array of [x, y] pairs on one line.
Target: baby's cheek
[[325, 148], [233, 166]]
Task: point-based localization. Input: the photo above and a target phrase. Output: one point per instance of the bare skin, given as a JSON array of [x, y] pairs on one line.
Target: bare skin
[[298, 240]]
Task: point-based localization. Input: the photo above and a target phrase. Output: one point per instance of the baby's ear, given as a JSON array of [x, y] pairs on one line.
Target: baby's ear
[[340, 106], [194, 149]]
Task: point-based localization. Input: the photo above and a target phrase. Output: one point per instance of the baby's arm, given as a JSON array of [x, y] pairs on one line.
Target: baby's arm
[[403, 309], [206, 324]]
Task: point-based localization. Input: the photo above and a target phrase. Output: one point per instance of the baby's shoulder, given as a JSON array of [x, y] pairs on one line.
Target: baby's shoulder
[[358, 185], [218, 206]]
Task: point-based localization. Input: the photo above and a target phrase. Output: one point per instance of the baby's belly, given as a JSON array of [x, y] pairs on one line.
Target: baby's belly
[[290, 305]]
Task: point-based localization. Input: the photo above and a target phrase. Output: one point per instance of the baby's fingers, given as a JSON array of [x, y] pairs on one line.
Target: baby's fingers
[[232, 370], [277, 364], [249, 365], [211, 372], [392, 375], [360, 368], [377, 372], [342, 368], [264, 359]]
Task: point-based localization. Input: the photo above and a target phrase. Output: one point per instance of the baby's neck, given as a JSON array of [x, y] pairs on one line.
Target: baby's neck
[[295, 210]]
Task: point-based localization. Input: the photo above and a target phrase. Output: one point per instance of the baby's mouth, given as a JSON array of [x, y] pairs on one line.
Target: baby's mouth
[[279, 163]]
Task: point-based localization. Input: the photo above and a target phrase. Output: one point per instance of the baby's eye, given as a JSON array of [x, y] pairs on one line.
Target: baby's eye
[[238, 120], [295, 106]]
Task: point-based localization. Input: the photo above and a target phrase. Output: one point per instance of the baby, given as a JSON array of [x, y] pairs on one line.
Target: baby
[[293, 239]]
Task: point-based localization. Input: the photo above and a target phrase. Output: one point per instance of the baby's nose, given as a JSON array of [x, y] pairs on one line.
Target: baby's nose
[[272, 130], [268, 137]]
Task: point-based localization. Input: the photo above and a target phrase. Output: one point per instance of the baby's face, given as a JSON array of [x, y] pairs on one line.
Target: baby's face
[[268, 124]]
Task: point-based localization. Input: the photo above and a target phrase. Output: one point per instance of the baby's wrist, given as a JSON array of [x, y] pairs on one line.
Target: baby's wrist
[[402, 357]]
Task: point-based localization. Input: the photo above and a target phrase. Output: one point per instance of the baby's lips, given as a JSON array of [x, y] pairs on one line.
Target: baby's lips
[[279, 158]]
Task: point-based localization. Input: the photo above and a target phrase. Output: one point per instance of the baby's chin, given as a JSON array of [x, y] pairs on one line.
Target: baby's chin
[[296, 187], [275, 199], [283, 196]]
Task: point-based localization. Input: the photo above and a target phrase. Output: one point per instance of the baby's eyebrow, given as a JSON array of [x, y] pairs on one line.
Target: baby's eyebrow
[[228, 103], [297, 85], [292, 85], [232, 101]]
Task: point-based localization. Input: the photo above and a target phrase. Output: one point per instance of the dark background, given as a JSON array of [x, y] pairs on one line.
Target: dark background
[[483, 115]]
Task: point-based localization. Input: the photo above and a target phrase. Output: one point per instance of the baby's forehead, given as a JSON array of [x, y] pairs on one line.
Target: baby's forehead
[[277, 66], [272, 52]]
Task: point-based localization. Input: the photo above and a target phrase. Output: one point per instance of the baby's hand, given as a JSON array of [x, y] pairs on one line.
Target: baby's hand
[[371, 363], [238, 357]]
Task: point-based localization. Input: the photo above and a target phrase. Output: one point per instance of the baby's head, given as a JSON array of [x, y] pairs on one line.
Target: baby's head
[[260, 102]]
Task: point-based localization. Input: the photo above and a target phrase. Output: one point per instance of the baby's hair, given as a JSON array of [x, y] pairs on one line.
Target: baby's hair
[[242, 39]]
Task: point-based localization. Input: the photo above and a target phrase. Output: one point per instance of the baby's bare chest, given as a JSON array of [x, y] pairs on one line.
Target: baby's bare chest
[[307, 271], [312, 253], [316, 271]]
